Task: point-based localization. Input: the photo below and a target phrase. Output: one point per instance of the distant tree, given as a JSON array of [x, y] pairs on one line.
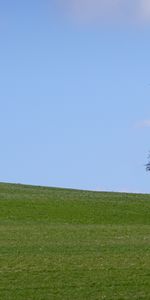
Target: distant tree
[[148, 164]]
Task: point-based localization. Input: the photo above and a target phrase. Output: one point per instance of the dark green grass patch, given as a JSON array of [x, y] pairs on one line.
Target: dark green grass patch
[[67, 244]]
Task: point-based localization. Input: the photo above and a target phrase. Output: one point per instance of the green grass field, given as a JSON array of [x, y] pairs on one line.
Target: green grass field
[[68, 244]]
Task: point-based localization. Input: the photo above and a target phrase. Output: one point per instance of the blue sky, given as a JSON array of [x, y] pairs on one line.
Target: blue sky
[[75, 94]]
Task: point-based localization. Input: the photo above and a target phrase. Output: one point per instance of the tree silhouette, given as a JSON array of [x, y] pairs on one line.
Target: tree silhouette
[[148, 164]]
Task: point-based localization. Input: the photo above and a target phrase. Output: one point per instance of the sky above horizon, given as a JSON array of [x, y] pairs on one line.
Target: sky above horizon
[[75, 93]]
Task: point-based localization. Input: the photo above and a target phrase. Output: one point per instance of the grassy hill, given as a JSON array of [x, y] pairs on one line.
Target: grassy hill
[[69, 244]]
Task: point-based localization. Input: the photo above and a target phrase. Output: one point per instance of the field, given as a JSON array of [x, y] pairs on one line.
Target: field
[[67, 244]]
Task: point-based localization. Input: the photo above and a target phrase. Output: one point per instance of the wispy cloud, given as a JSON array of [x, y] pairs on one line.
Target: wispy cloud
[[143, 124], [144, 10], [88, 11]]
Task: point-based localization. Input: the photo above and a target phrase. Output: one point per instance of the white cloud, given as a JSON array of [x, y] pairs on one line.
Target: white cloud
[[144, 10], [89, 11], [143, 124]]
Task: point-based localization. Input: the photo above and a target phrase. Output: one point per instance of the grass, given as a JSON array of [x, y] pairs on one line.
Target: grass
[[68, 244]]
